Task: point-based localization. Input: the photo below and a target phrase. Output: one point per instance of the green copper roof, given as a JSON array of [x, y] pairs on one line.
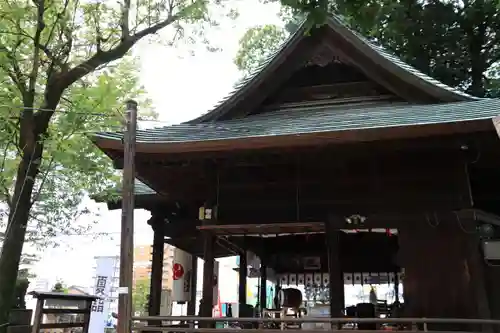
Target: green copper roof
[[305, 120], [142, 189]]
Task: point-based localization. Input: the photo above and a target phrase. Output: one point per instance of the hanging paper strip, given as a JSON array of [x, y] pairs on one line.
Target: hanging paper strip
[[348, 278], [284, 279], [309, 279], [326, 279], [357, 278], [300, 279], [365, 278], [391, 277], [317, 279], [292, 279]]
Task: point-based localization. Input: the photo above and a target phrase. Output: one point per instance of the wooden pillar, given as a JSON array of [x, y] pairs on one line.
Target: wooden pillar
[[242, 287], [263, 284], [492, 276], [442, 273], [191, 308], [156, 266], [206, 305], [334, 271]]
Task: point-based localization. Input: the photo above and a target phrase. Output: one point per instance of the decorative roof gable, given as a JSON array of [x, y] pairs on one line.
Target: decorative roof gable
[[390, 64]]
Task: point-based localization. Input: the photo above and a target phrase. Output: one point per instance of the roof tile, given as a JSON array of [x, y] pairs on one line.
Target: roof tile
[[305, 120]]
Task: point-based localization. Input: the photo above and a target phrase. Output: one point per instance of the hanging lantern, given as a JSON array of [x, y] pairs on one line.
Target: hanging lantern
[[181, 273]]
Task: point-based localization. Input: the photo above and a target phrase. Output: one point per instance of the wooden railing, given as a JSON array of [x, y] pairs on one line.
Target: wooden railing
[[486, 325]]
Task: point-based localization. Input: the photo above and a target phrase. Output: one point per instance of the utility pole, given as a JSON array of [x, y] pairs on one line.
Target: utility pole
[[127, 230]]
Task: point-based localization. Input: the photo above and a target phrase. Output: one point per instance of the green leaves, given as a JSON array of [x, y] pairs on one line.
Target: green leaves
[[257, 44], [140, 296]]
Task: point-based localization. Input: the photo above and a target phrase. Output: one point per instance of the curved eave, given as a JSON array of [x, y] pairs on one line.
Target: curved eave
[[305, 139]]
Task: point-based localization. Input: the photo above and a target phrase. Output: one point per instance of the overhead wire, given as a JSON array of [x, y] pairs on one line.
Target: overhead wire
[[31, 160], [11, 108]]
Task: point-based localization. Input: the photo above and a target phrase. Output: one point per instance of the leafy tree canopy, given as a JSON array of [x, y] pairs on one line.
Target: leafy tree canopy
[[65, 70], [72, 167]]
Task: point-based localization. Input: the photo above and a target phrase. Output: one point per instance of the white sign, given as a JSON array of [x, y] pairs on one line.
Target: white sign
[[102, 288], [181, 271]]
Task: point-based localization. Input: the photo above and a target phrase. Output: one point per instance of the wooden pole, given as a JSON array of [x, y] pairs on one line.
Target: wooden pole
[[334, 271], [242, 289], [208, 278], [127, 229]]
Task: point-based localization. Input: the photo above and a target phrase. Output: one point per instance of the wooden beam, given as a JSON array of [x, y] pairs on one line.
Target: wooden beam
[[260, 229], [387, 220], [379, 100], [334, 92]]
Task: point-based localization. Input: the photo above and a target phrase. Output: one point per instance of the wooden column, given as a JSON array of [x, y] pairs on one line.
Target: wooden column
[[208, 277], [334, 271], [442, 273], [242, 287], [191, 309], [492, 276], [263, 284], [156, 266]]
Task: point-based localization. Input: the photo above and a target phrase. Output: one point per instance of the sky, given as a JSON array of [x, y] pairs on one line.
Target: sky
[[182, 86]]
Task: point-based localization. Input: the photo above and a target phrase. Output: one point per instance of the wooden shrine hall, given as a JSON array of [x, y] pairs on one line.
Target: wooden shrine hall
[[330, 140]]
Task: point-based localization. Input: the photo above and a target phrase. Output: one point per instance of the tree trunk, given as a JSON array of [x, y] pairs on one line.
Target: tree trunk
[[31, 143]]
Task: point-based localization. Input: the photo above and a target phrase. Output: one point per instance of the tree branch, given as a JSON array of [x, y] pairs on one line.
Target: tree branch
[[59, 83], [125, 20], [40, 26]]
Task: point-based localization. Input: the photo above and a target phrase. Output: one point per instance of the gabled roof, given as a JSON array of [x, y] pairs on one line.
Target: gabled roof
[[388, 61], [223, 128]]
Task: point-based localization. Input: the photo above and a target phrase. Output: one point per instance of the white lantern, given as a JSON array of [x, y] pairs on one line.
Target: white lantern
[[181, 271]]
